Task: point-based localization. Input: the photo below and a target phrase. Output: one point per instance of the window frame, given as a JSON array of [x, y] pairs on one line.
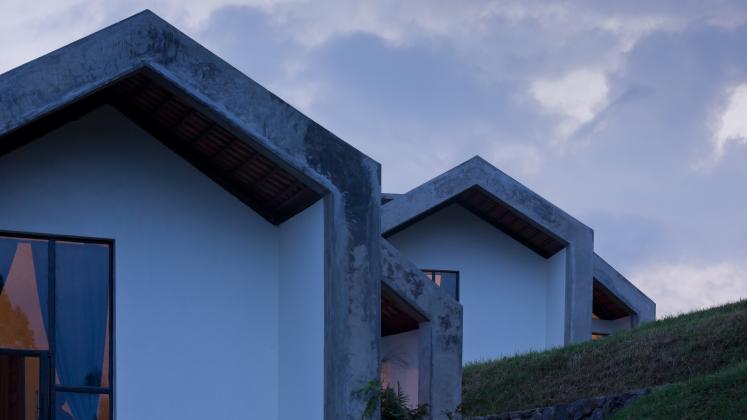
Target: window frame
[[45, 387], [52, 240], [431, 274]]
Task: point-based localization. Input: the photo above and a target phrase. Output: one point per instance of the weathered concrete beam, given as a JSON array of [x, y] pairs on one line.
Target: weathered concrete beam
[[631, 296], [441, 336]]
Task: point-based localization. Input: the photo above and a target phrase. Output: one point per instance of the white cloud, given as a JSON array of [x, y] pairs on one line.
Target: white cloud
[[301, 96], [683, 287], [31, 29], [47, 24], [576, 96], [516, 158], [732, 123], [630, 31]]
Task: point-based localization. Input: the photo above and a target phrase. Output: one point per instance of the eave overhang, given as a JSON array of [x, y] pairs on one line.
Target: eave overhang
[[66, 83], [494, 197], [615, 296], [239, 134], [521, 213]]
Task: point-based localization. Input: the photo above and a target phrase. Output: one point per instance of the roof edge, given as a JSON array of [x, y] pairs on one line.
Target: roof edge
[[477, 172], [145, 40], [624, 289]]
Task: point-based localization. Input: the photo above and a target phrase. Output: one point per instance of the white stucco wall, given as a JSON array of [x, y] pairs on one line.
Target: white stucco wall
[[201, 323], [611, 326], [509, 293], [400, 363], [555, 316], [301, 364]]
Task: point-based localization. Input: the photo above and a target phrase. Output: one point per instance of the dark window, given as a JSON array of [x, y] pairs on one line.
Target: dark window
[[56, 307], [20, 385], [447, 280], [24, 302]]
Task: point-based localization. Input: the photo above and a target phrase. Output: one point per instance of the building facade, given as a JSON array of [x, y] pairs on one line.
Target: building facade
[[524, 271], [177, 242], [243, 263]]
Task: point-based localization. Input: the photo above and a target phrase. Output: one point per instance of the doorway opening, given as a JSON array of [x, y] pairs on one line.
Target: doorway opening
[[403, 330]]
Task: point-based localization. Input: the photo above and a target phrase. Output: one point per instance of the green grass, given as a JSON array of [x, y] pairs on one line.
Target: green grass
[[722, 395], [675, 349]]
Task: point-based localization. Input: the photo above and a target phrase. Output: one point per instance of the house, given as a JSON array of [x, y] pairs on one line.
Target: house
[[176, 242], [524, 270]]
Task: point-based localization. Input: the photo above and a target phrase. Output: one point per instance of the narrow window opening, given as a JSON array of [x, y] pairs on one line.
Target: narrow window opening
[[402, 329], [448, 280]]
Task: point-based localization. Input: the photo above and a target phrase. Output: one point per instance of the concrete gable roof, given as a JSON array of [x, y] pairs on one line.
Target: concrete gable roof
[[492, 195], [518, 211], [44, 89], [144, 44], [623, 290], [441, 336]]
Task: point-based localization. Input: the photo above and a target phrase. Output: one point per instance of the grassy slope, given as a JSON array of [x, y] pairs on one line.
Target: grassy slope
[[670, 350], [722, 395]]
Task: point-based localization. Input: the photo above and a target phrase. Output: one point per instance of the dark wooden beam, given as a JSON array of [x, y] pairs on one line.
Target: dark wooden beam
[[166, 136]]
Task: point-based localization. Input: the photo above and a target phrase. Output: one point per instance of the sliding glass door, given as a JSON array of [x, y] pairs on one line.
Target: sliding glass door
[[55, 328]]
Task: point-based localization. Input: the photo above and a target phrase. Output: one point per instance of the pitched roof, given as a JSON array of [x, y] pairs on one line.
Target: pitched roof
[[493, 196], [616, 296], [262, 150]]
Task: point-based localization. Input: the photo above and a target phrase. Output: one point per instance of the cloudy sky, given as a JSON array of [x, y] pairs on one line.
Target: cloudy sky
[[631, 116]]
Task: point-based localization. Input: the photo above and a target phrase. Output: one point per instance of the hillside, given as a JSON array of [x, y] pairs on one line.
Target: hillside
[[671, 350], [721, 395]]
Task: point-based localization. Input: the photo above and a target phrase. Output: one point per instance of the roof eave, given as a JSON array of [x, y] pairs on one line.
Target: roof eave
[[477, 172], [623, 289], [145, 41]]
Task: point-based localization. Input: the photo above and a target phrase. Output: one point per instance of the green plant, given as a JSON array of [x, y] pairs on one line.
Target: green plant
[[394, 405], [451, 415], [371, 393]]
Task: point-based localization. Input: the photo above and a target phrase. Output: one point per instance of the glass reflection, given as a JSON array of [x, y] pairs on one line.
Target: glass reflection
[[23, 294], [80, 406], [447, 280], [82, 335]]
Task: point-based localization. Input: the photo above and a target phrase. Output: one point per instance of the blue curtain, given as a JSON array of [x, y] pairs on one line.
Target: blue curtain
[[7, 252], [81, 308]]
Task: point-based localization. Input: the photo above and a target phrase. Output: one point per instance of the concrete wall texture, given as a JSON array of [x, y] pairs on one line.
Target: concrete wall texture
[[209, 308], [513, 299], [631, 296], [440, 350]]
